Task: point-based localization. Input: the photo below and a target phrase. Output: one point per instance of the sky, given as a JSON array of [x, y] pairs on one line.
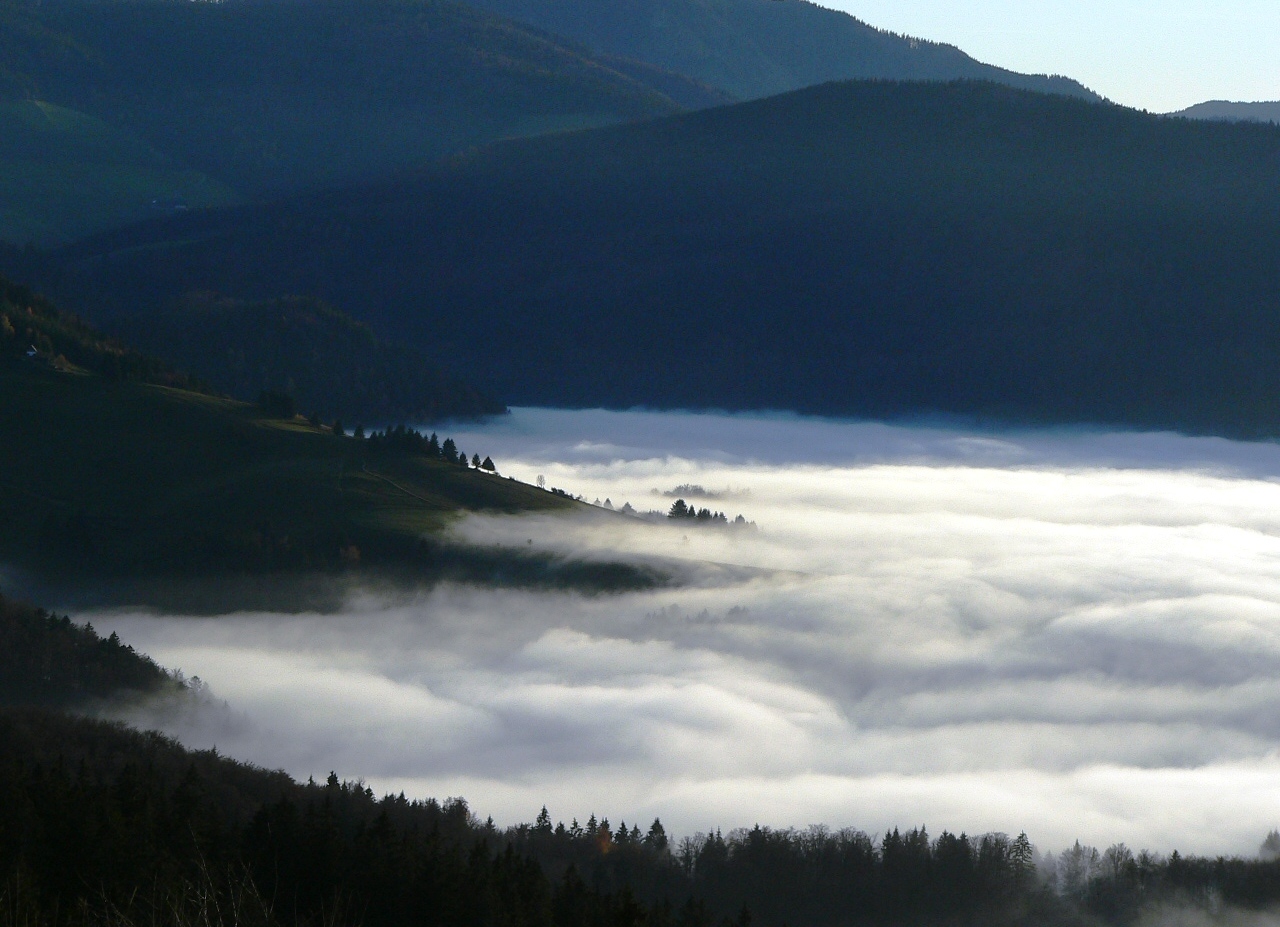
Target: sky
[[1067, 632], [1160, 56]]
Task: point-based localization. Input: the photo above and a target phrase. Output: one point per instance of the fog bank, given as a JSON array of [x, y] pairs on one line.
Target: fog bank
[[1071, 633]]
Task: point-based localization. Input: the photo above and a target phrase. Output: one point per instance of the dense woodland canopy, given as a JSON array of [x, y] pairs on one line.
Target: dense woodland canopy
[[47, 661], [100, 824], [861, 249]]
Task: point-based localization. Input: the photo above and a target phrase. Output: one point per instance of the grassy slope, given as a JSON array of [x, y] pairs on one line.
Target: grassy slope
[[64, 174], [103, 479]]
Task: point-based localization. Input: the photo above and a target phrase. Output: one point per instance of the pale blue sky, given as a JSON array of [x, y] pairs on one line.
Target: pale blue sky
[[1157, 56]]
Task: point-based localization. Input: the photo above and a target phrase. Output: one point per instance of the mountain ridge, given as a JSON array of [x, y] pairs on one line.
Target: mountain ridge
[[256, 100], [1225, 111], [758, 48], [867, 248]]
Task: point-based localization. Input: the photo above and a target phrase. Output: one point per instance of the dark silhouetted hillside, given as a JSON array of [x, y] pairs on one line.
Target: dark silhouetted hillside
[[48, 662], [41, 334], [106, 825], [858, 249], [327, 362], [757, 48]]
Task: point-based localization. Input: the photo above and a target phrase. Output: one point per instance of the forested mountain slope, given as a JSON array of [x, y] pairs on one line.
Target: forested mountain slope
[[324, 361], [64, 174], [859, 249], [261, 97], [102, 824], [330, 364], [46, 661], [757, 48]]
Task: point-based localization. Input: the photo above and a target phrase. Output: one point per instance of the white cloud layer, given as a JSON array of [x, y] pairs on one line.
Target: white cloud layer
[[1070, 633]]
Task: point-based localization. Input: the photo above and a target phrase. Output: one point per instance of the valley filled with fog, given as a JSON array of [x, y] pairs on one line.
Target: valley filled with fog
[[1072, 633]]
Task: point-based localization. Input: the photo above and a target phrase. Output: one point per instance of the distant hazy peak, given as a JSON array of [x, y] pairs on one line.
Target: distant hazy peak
[[1224, 111], [758, 48]]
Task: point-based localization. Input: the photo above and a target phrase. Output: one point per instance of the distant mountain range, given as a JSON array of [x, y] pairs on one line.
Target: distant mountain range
[[757, 48], [112, 112], [1222, 111], [859, 249]]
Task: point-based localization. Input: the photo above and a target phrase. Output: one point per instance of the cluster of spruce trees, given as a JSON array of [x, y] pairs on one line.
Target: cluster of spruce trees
[[400, 439], [682, 510]]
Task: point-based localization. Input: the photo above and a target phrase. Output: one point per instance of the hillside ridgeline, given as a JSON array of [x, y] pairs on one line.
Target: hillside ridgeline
[[758, 48], [46, 661], [869, 249]]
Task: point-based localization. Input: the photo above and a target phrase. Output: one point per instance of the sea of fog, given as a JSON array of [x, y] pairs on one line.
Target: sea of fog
[[1068, 632]]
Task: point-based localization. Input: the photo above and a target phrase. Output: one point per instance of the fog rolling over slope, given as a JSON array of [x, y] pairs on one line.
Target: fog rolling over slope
[[1069, 632]]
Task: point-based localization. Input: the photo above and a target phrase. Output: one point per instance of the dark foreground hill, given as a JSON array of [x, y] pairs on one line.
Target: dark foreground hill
[[757, 48], [46, 661], [116, 109], [104, 825], [860, 249]]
